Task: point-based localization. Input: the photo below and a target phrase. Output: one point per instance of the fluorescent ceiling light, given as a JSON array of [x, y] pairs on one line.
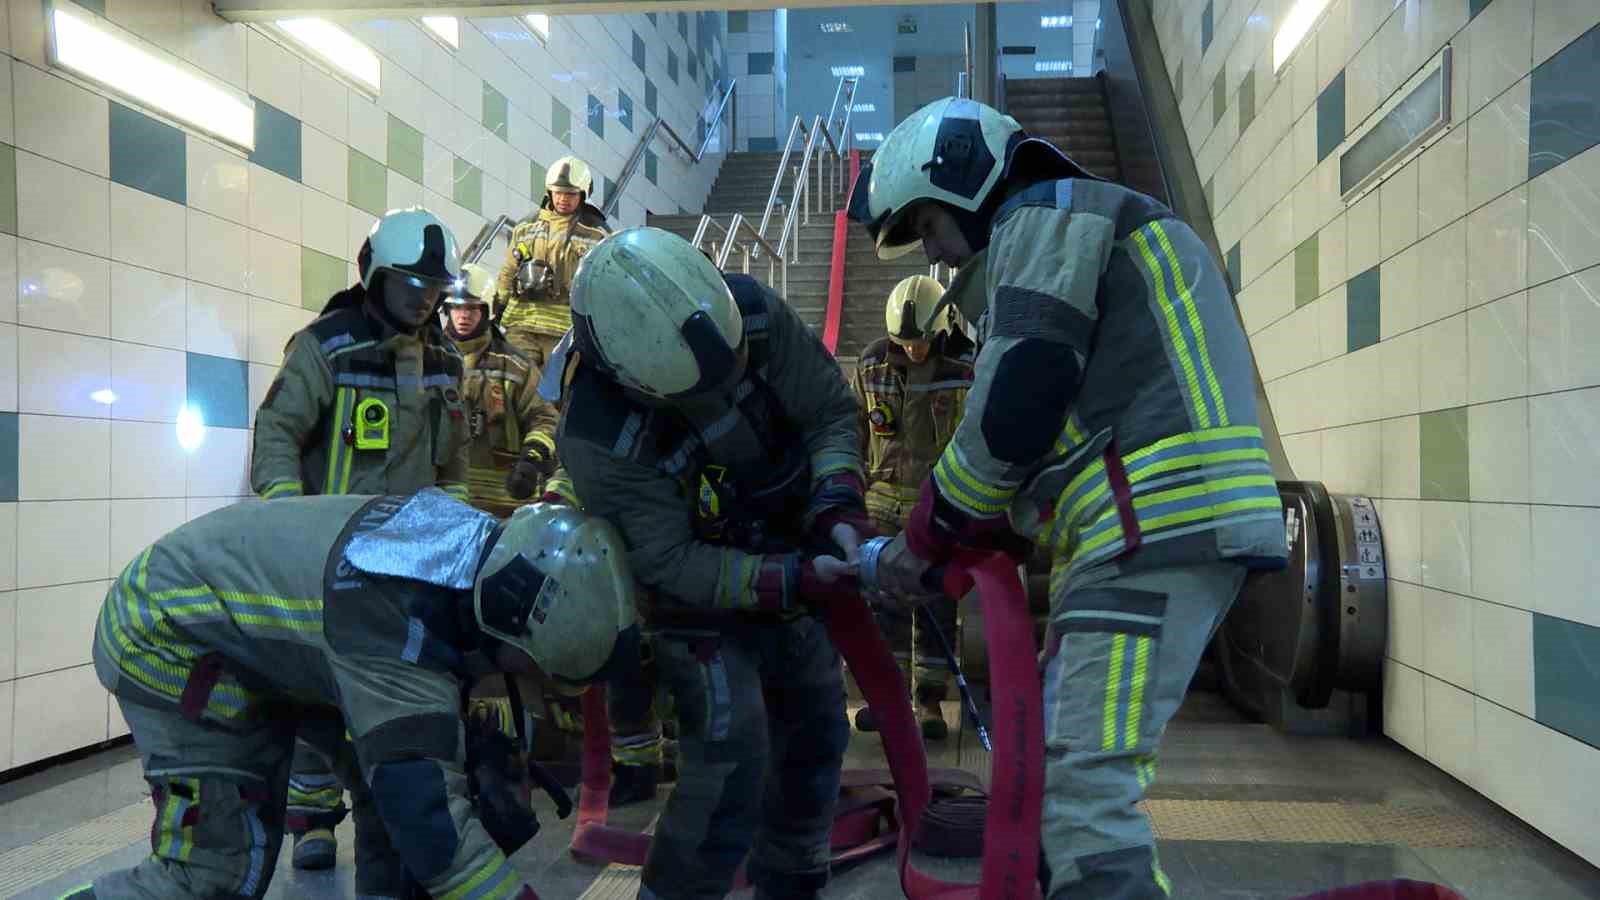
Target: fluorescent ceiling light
[[1053, 65], [539, 24], [865, 107], [86, 46], [848, 71], [445, 28], [338, 48], [869, 135], [1302, 17], [835, 27], [1055, 21]]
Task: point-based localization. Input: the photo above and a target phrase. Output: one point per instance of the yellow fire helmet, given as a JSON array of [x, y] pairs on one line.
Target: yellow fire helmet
[[475, 287], [912, 313], [556, 586]]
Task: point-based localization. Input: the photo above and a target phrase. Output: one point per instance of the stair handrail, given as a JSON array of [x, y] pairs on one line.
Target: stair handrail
[[751, 248], [777, 180], [802, 196], [844, 90], [485, 237], [636, 158]]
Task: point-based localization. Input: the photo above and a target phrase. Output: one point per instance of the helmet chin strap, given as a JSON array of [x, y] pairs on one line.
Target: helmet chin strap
[[379, 303]]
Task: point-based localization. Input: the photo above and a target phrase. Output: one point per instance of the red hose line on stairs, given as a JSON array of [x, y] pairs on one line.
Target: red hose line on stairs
[[835, 311]]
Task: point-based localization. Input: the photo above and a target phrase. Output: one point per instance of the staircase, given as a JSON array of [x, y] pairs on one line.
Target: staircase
[[1070, 113]]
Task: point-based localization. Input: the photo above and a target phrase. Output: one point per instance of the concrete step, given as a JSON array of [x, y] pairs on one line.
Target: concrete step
[[1025, 87]]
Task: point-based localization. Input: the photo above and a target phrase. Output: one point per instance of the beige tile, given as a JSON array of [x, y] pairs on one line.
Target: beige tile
[[1401, 453], [1333, 321], [1505, 742], [8, 646], [1502, 50], [1397, 202], [1405, 623], [62, 290], [369, 128], [62, 374], [65, 710], [1564, 218], [60, 120], [62, 542], [271, 326], [1447, 546], [260, 379], [8, 374], [147, 307], [1497, 248], [325, 164], [274, 204], [1442, 349], [27, 27], [60, 205], [54, 623], [1502, 656], [1331, 254], [159, 22], [1502, 554], [1399, 300], [136, 524], [1563, 324], [8, 278], [1441, 19], [147, 461], [1564, 810], [144, 229], [1498, 350], [63, 458], [219, 180], [1363, 378], [116, 725], [325, 103], [150, 382], [1451, 729], [1565, 567], [1402, 538], [273, 72], [1403, 706], [7, 691], [1497, 436], [1557, 23], [1442, 182], [220, 466], [1402, 368], [325, 225], [1442, 292], [218, 321], [1565, 429], [274, 269], [199, 506], [218, 251], [214, 45], [1362, 244], [1304, 452], [1497, 146], [1352, 459]]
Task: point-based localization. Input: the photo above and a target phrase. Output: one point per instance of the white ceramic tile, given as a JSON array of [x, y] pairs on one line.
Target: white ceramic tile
[[60, 120], [1446, 546], [324, 164], [369, 128], [1563, 323], [1565, 811], [218, 180], [1332, 254], [1362, 237], [1304, 452], [159, 22], [27, 31], [271, 326], [1503, 655], [1397, 203], [1497, 146], [1405, 623], [147, 307], [136, 524], [1565, 567], [1505, 743], [149, 382], [8, 373], [1497, 248], [1564, 218], [62, 290], [1451, 733], [1352, 460], [199, 506], [220, 466], [60, 205], [1498, 349], [1442, 182], [61, 374], [324, 103], [1443, 351], [65, 711], [1401, 458], [273, 73], [116, 725], [1362, 377], [1399, 300], [146, 461], [274, 269], [1498, 451], [216, 46], [1502, 46], [55, 624], [403, 192], [218, 321], [1400, 391], [274, 204], [325, 225], [1447, 636], [144, 230], [1557, 22], [1403, 706], [260, 379], [62, 542], [1442, 275], [1502, 554], [63, 458], [8, 278], [1565, 429], [218, 251], [1333, 320]]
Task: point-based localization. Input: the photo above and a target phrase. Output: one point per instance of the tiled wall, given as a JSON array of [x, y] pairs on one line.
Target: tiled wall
[[1435, 346], [757, 40], [144, 269]]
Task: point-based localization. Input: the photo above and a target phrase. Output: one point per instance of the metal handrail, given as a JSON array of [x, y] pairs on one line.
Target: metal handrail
[[777, 181], [777, 265]]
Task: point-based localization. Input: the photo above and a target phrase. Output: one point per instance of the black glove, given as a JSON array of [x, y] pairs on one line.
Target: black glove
[[527, 473], [497, 780]]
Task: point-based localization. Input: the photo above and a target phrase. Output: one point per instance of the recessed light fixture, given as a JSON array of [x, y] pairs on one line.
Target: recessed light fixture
[[835, 27], [86, 45], [338, 48], [1055, 21], [848, 71], [869, 135], [446, 28], [864, 107], [1302, 17], [1053, 65]]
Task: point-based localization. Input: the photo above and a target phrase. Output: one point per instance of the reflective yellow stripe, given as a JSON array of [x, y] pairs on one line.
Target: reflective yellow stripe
[[541, 439], [1108, 725], [1202, 416], [496, 869], [339, 456], [1183, 517], [283, 488], [1183, 462], [1199, 330], [959, 485], [456, 489], [1141, 670]]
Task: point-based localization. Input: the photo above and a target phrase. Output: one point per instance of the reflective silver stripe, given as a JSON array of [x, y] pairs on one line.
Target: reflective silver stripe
[[337, 341], [719, 698], [354, 379], [630, 432], [258, 854], [722, 425], [1118, 616], [414, 635], [956, 385]]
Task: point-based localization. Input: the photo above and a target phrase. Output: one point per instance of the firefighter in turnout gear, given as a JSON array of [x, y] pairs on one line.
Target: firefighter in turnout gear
[[370, 615], [368, 401], [1112, 418], [912, 386], [512, 430], [535, 284], [707, 421]]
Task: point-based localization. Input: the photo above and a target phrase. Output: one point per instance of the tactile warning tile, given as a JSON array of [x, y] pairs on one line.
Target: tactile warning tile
[[1325, 823], [64, 851], [617, 881]]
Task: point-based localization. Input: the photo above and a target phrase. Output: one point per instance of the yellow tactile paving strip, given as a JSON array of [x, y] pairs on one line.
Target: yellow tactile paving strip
[[617, 882], [64, 851], [1325, 823]]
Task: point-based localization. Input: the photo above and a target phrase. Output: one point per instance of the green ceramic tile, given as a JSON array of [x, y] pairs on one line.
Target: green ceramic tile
[[1247, 100], [468, 186], [1566, 677], [496, 111], [561, 122], [369, 183], [8, 455], [148, 155], [1443, 443], [220, 389], [1362, 308], [321, 276], [535, 180], [8, 189], [1219, 98], [1330, 117], [738, 21], [1305, 272], [405, 149]]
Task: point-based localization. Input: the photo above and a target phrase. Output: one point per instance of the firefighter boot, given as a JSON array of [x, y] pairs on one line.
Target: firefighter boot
[[633, 784], [315, 849], [930, 713]]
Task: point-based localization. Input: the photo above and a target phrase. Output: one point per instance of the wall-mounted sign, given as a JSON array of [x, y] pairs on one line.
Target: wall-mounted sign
[[908, 25]]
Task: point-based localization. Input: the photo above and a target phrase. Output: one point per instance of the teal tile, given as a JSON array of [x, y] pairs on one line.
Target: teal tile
[[8, 457], [650, 166], [468, 186], [597, 117], [1476, 6], [683, 25], [761, 63], [638, 51], [8, 189], [219, 389], [1219, 97], [1207, 27], [650, 97], [1566, 677], [277, 140], [694, 69], [369, 183], [611, 190], [1330, 116], [1361, 322], [625, 110], [535, 180], [561, 122], [738, 21], [405, 149], [148, 155], [1445, 455], [496, 112], [1247, 100], [1565, 108], [672, 65], [1305, 272], [321, 276], [1235, 269]]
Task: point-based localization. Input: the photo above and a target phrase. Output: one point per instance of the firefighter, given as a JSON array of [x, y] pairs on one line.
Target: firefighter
[[912, 385], [366, 614], [1112, 418], [368, 401], [511, 429], [708, 422]]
